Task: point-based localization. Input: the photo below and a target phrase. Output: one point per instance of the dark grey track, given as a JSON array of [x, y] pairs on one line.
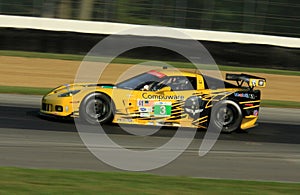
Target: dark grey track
[[270, 151]]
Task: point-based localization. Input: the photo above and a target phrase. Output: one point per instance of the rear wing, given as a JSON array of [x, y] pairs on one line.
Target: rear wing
[[252, 81]]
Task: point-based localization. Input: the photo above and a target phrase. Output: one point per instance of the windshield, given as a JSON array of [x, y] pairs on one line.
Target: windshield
[[138, 82]]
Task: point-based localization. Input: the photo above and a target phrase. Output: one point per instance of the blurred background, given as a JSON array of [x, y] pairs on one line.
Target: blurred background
[[267, 17], [273, 17]]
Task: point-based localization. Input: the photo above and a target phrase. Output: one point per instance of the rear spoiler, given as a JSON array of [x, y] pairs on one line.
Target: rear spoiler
[[252, 81]]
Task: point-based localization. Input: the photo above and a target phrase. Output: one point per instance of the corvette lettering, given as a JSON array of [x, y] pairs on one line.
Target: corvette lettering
[[162, 97]]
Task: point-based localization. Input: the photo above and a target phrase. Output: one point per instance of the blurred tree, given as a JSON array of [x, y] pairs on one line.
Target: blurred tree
[[105, 10], [283, 17], [49, 9], [277, 17], [207, 14], [228, 15], [261, 13], [65, 9], [180, 13], [86, 10], [249, 18]]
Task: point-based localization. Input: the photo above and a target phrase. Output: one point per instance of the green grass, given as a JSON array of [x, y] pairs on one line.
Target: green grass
[[259, 70], [37, 181], [277, 103], [137, 61], [28, 54], [24, 90]]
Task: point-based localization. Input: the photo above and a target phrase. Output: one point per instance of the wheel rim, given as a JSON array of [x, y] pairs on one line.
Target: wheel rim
[[225, 116], [97, 109]]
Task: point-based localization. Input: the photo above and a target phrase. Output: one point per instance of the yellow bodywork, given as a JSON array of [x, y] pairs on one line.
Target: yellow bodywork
[[144, 107]]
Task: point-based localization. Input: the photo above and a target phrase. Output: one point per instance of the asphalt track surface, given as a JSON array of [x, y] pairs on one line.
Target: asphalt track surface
[[270, 151]]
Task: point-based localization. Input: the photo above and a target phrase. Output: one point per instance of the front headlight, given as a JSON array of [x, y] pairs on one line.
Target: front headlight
[[69, 93]]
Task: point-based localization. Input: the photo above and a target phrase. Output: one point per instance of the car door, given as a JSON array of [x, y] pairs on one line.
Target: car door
[[163, 103]]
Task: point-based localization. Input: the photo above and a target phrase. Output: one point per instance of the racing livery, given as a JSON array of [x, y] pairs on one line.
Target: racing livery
[[162, 98]]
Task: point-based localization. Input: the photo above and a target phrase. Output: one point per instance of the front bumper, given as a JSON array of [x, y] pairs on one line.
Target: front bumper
[[52, 116], [56, 106]]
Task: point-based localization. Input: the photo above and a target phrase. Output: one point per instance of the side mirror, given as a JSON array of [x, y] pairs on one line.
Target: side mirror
[[165, 89]]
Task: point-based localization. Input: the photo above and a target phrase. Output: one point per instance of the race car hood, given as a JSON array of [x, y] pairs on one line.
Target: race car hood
[[76, 87]]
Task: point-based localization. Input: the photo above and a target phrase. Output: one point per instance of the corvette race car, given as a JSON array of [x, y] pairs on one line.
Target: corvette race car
[[162, 98]]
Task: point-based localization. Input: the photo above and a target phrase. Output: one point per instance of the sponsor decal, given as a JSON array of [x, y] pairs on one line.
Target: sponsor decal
[[157, 74], [140, 103], [251, 96], [192, 106], [144, 114], [162, 97], [163, 103], [255, 112], [145, 109], [124, 120], [244, 95], [146, 103], [193, 112], [107, 86], [162, 109]]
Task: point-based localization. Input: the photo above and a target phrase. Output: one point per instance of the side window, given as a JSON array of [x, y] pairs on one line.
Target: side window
[[193, 82], [177, 83], [213, 83], [181, 83]]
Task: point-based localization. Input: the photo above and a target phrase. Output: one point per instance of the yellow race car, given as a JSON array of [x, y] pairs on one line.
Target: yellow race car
[[162, 98]]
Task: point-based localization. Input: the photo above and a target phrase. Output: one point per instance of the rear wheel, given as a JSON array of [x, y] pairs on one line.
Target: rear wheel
[[226, 115], [96, 108]]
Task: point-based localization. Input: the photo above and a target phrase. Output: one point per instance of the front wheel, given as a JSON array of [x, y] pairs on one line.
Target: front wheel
[[96, 108], [226, 115]]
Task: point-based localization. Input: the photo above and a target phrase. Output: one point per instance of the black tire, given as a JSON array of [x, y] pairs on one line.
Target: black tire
[[96, 108], [226, 115]]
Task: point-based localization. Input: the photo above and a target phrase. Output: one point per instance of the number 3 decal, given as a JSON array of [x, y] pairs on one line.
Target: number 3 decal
[[162, 109]]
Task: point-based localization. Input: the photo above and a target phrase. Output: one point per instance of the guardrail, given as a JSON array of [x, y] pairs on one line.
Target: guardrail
[[107, 28]]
